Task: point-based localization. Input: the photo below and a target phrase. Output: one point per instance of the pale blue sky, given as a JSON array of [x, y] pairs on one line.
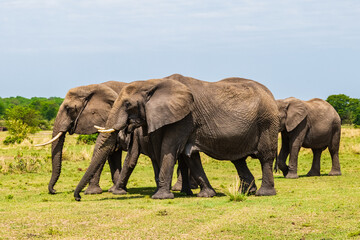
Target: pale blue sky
[[296, 48]]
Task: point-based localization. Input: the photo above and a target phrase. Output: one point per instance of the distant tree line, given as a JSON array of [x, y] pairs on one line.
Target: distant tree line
[[45, 108], [22, 116]]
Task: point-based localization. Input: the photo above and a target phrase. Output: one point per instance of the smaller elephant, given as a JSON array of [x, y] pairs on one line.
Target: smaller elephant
[[310, 124]]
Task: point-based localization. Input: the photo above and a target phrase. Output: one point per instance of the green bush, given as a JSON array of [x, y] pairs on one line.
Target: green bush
[[21, 121], [18, 131], [87, 139]]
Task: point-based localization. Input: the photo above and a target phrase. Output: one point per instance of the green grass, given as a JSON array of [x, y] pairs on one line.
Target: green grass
[[306, 208]]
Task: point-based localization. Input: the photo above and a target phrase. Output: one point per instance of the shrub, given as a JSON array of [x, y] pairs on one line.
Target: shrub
[[18, 132]]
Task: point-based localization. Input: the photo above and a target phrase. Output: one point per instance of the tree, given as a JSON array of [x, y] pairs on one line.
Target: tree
[[341, 103]]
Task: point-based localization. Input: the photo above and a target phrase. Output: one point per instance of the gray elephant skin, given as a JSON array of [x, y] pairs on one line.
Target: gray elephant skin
[[311, 124], [82, 108], [230, 119]]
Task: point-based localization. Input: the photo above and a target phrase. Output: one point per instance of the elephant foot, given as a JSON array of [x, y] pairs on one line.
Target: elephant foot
[[77, 196], [119, 191], [335, 173], [93, 189], [270, 191], [206, 193], [249, 191], [194, 186], [112, 188], [313, 173], [160, 194], [285, 171], [187, 192], [292, 175], [177, 186]]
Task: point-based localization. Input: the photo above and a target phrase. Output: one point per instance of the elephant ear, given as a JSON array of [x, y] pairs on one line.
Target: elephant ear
[[296, 113], [167, 102]]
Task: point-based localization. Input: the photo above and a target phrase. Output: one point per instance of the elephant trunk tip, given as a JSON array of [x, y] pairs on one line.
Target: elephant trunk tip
[[77, 197], [52, 191]]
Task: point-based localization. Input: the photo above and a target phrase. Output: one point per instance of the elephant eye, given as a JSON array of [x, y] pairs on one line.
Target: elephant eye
[[127, 104]]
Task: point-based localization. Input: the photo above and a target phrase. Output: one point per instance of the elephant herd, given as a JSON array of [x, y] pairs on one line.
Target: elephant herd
[[176, 117]]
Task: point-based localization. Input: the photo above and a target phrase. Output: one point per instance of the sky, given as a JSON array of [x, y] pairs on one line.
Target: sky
[[303, 49]]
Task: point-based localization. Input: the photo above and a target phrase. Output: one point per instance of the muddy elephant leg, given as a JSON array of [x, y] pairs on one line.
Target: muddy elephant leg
[[194, 163], [94, 186], [267, 185], [334, 152], [247, 184], [315, 167], [114, 161]]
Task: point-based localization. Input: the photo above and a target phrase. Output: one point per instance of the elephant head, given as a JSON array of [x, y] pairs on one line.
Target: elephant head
[[148, 104], [292, 112], [82, 108], [151, 104]]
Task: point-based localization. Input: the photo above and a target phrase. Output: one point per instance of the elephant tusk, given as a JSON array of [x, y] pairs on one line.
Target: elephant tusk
[[99, 128], [52, 140], [106, 130]]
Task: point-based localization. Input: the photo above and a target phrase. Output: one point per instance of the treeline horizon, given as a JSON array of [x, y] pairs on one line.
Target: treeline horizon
[[45, 109], [40, 110]]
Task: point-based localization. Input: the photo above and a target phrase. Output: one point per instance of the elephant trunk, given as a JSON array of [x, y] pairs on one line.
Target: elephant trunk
[[56, 154], [105, 144]]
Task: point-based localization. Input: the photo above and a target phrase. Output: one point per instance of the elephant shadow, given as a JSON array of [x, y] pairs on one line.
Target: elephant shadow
[[143, 192], [304, 176]]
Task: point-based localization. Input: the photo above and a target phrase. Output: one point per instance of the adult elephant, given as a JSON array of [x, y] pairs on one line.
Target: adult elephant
[[311, 124], [82, 108], [230, 119]]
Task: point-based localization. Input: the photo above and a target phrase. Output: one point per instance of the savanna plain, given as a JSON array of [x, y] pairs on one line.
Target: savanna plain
[[324, 207]]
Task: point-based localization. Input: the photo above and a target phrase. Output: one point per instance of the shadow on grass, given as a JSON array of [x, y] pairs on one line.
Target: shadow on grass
[[302, 176], [147, 192]]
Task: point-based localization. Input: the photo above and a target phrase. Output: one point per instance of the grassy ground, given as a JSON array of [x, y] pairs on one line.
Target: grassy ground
[[306, 208]]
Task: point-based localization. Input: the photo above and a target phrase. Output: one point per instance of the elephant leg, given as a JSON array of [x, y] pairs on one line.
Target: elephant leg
[[247, 184], [283, 155], [334, 152], [177, 186], [94, 186], [315, 167], [184, 170], [128, 167], [267, 185], [197, 171], [156, 172], [114, 161], [193, 183], [165, 175], [295, 145]]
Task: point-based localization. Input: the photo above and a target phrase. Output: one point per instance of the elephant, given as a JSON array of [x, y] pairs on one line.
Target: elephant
[[82, 108], [228, 120], [311, 124]]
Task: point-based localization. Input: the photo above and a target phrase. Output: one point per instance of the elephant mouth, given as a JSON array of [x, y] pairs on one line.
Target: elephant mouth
[[134, 123]]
